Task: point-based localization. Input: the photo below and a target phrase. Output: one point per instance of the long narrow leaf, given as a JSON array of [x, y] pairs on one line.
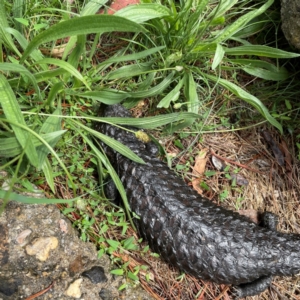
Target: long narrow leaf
[[10, 147], [82, 25], [151, 122], [66, 66], [255, 102], [124, 150], [33, 200], [241, 22], [105, 96], [143, 12], [190, 92], [13, 113], [9, 67], [156, 90], [260, 51]]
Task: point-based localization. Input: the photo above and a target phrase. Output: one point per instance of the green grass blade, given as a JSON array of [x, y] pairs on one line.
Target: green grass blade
[[114, 176], [5, 37], [190, 92], [82, 26], [52, 124], [220, 11], [64, 65], [252, 100], [35, 54], [266, 74], [48, 172], [150, 122], [13, 113], [124, 150], [156, 90], [130, 71], [131, 57], [92, 7], [241, 22], [171, 96], [105, 96], [219, 55], [260, 51], [10, 147], [10, 67], [32, 200], [17, 11], [143, 12]]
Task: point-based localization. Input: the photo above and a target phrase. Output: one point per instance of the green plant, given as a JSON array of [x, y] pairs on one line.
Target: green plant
[[204, 43]]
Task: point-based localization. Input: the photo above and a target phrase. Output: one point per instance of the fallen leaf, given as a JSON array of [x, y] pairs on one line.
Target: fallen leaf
[[198, 170]]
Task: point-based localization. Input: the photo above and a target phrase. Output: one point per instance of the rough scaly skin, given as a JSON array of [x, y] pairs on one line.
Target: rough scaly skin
[[192, 233]]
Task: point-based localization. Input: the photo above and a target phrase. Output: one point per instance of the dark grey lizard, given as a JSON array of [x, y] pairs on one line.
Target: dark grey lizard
[[190, 231]]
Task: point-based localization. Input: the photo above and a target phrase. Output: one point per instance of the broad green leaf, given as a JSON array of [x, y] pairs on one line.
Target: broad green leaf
[[190, 93], [52, 124], [22, 21], [156, 90], [151, 122], [218, 56], [135, 56], [266, 74], [64, 65], [252, 100], [10, 147], [105, 96], [54, 91], [130, 71], [13, 113], [255, 63], [48, 172], [171, 96], [81, 26], [118, 272], [143, 12], [260, 51]]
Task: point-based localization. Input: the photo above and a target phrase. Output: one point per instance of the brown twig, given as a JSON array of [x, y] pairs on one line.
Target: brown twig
[[40, 292]]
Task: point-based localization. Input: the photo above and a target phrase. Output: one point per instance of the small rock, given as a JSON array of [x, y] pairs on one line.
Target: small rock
[[74, 289], [95, 274], [41, 247], [76, 265], [22, 238], [9, 286], [63, 225], [106, 294], [4, 245]]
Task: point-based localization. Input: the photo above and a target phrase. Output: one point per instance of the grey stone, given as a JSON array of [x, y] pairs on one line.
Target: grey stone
[[290, 16], [96, 274]]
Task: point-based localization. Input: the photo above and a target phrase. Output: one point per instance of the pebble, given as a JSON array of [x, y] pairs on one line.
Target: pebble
[[74, 289], [41, 247], [95, 274]]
